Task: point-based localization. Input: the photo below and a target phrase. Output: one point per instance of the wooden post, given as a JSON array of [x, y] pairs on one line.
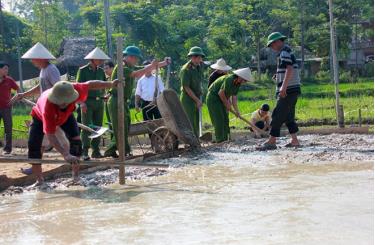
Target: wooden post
[[341, 116], [360, 117], [120, 111], [334, 62]]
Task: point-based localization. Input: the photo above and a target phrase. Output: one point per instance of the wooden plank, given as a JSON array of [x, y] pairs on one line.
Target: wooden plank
[[138, 161], [121, 111]]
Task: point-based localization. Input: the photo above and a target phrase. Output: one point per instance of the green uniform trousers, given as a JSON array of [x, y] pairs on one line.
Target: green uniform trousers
[[93, 116], [219, 117], [192, 111], [114, 118]]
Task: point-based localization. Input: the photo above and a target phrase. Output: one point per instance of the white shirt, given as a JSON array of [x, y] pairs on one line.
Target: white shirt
[[146, 87]]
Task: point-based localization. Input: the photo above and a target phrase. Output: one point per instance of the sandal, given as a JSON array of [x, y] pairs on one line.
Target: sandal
[[290, 145], [26, 171], [266, 147]]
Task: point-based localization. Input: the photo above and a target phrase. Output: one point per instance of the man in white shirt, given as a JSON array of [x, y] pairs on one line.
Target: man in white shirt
[[145, 93]]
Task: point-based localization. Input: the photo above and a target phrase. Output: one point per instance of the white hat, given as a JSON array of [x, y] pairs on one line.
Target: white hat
[[244, 73], [38, 51], [97, 54], [221, 65]]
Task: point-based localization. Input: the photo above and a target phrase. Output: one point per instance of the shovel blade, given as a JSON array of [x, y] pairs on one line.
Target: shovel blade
[[98, 133]]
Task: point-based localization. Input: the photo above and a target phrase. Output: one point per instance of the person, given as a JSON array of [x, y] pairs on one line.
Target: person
[[261, 118], [131, 71], [145, 95], [220, 69], [191, 76], [108, 68], [55, 108], [7, 84], [287, 91], [221, 97], [49, 74], [92, 111]]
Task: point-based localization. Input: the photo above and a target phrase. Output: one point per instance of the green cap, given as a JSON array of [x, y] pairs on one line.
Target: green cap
[[274, 36], [132, 51], [196, 51]]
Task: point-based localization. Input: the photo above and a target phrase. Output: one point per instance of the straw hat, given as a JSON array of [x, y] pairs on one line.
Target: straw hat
[[38, 51], [221, 65], [63, 92], [244, 73], [97, 54]]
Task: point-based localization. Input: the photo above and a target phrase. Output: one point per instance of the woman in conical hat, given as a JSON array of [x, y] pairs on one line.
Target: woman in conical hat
[[220, 69], [49, 74]]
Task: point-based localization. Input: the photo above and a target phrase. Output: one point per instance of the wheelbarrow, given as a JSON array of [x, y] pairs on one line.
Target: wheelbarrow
[[174, 126]]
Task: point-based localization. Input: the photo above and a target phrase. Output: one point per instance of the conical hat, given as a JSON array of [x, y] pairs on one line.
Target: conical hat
[[244, 73], [221, 65], [97, 54], [38, 51]]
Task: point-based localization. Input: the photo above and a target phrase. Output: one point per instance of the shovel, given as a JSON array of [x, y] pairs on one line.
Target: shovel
[[94, 133]]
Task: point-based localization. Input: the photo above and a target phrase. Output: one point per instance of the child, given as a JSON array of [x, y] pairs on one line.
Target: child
[[261, 118]]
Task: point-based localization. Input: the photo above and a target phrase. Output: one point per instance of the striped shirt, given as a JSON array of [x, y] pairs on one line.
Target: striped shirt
[[286, 58]]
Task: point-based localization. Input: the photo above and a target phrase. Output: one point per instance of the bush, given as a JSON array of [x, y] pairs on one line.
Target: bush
[[323, 76], [346, 77]]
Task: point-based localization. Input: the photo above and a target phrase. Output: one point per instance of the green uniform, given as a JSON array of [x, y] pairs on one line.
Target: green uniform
[[216, 108], [113, 106], [95, 106], [191, 76]]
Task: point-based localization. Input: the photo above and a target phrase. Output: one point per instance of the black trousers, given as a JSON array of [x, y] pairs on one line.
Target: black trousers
[[36, 136], [151, 112], [6, 116], [284, 112]]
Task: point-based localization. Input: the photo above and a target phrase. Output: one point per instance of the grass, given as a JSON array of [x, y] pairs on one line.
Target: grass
[[315, 106]]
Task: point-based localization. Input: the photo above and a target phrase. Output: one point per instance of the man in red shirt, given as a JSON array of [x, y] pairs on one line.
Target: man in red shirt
[[55, 108], [6, 85]]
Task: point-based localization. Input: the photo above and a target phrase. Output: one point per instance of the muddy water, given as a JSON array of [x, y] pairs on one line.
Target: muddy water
[[232, 197]]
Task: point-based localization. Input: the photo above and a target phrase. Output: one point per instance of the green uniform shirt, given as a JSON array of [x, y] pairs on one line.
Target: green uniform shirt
[[192, 76], [225, 83], [86, 73], [129, 81]]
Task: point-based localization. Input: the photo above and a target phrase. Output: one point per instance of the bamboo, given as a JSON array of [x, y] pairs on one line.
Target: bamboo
[[121, 111]]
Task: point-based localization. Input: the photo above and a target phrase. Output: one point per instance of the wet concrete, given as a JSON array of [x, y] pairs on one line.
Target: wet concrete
[[230, 194]]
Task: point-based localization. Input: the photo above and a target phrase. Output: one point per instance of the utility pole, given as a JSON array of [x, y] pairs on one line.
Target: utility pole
[[108, 31], [339, 112]]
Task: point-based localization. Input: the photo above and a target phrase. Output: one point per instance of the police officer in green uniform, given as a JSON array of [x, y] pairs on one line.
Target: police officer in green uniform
[[222, 95], [92, 110], [191, 76], [132, 54]]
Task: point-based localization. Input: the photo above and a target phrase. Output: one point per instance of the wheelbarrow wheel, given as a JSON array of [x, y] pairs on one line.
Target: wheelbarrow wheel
[[163, 140]]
